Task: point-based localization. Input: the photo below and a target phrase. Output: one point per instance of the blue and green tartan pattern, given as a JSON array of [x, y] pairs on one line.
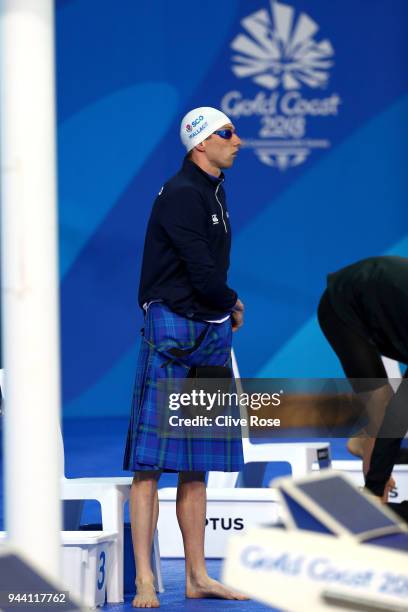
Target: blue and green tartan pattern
[[145, 448]]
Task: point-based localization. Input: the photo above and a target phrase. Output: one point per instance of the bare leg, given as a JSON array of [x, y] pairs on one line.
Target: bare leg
[[362, 445], [191, 510], [375, 403], [144, 509]]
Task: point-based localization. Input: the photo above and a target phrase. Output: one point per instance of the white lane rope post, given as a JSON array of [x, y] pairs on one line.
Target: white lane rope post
[[30, 281]]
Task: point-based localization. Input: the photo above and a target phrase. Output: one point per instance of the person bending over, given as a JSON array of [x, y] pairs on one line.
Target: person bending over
[[364, 315]]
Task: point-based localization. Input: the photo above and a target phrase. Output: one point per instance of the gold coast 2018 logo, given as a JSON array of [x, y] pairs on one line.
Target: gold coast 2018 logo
[[280, 54]]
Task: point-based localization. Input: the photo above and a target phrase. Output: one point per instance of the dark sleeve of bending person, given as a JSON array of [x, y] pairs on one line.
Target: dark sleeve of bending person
[[187, 228], [389, 439]]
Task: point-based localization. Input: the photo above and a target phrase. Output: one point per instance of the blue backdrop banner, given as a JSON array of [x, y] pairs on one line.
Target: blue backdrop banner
[[318, 93]]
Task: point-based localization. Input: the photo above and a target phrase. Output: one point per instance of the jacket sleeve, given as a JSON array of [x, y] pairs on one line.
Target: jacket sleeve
[[186, 224]]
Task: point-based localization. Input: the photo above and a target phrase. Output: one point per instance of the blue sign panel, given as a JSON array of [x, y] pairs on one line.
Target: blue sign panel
[[318, 93]]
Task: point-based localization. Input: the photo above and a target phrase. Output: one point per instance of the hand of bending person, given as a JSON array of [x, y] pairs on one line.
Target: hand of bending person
[[237, 315], [391, 484]]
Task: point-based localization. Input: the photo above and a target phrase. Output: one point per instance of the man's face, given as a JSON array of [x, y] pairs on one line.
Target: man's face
[[221, 152]]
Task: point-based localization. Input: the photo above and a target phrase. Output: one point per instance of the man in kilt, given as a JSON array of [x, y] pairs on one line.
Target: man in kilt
[[190, 313]]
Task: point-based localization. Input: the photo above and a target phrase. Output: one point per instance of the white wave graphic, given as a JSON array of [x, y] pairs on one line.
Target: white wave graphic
[[279, 49]]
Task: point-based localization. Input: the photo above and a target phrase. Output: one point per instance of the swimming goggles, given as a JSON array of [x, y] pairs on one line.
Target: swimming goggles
[[226, 133]]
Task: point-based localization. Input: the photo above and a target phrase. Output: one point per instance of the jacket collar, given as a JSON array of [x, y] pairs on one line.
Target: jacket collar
[[194, 171]]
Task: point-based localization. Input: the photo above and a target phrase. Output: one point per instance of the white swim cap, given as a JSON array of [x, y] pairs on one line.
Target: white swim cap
[[200, 123]]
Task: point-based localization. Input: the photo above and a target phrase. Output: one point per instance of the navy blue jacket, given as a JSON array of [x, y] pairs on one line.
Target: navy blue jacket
[[187, 247]]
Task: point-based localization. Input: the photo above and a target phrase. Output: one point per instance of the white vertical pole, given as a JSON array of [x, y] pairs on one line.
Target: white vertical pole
[[29, 278]]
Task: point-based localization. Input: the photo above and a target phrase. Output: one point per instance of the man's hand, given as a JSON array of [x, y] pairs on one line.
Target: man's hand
[[237, 315], [391, 484]]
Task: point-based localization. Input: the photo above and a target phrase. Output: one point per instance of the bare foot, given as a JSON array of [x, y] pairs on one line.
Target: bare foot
[[146, 595], [206, 587], [356, 444]]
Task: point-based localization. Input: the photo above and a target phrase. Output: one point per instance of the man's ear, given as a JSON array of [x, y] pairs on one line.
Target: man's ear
[[201, 146]]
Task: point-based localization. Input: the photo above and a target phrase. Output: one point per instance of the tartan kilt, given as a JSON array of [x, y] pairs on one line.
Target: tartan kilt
[[145, 448]]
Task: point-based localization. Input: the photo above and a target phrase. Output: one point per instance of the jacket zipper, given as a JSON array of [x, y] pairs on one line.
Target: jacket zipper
[[220, 205]]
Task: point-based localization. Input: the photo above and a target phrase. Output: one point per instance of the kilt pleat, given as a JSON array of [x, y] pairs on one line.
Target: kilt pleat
[[146, 449]]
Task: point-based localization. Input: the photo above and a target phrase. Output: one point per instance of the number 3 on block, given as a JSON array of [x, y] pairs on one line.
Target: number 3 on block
[[102, 559]]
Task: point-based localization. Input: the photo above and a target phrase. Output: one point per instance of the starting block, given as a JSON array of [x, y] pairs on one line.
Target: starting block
[[233, 509], [86, 565], [330, 503], [340, 548], [229, 511]]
